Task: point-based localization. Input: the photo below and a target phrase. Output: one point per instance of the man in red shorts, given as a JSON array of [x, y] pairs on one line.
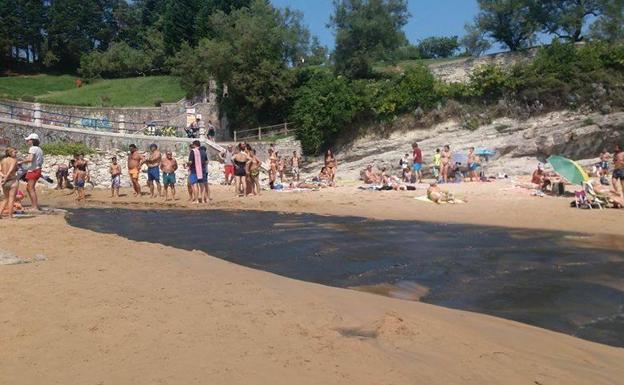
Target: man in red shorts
[[226, 156], [33, 164]]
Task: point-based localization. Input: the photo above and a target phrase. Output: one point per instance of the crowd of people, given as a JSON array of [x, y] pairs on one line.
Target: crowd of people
[[444, 168], [242, 168]]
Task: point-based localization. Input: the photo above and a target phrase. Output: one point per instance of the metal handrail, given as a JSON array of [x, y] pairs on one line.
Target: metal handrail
[[282, 128]]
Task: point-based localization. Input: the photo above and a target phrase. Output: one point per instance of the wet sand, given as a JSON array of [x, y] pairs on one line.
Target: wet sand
[[106, 310]]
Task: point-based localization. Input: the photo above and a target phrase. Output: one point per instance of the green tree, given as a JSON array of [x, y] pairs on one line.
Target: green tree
[[367, 31], [610, 25], [513, 23], [323, 108], [250, 54], [566, 18], [438, 47], [474, 41], [76, 27], [208, 8], [179, 24]]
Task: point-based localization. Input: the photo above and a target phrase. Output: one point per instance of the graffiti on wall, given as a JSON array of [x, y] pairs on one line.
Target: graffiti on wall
[[94, 123]]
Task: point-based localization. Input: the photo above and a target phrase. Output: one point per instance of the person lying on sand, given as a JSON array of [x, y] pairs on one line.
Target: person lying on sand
[[437, 195], [394, 183]]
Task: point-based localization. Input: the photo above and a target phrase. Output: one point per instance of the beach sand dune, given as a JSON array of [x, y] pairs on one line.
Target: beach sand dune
[[101, 309]]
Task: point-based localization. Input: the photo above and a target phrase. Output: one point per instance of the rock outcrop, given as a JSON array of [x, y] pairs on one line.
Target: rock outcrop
[[519, 145]]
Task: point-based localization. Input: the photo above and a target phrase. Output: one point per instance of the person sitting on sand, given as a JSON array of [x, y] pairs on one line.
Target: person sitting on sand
[[325, 177], [370, 176], [391, 182], [437, 195], [9, 180], [539, 178], [169, 166]]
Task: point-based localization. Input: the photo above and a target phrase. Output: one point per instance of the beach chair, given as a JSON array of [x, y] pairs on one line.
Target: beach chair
[[592, 198]]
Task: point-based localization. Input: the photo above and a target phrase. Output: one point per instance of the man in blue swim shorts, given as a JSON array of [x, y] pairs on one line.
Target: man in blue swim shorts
[[418, 160], [153, 170]]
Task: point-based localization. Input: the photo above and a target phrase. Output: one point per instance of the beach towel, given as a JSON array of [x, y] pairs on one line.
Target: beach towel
[[370, 187], [198, 163], [425, 199]]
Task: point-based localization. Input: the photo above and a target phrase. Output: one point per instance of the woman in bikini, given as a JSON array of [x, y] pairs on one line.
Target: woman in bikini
[[330, 163], [272, 167], [254, 173], [446, 163], [240, 160], [9, 180]]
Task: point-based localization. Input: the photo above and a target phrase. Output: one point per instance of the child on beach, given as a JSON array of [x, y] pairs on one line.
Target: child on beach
[[80, 178], [115, 171], [437, 161]]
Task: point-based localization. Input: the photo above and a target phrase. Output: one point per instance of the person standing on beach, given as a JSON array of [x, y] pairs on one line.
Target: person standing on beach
[[253, 170], [473, 165], [135, 160], [8, 180], [445, 165], [115, 172], [437, 161], [272, 167], [240, 160], [80, 181], [168, 166], [153, 170], [294, 164], [33, 173], [331, 165], [618, 172], [204, 186], [417, 159], [211, 131], [196, 161], [228, 166]]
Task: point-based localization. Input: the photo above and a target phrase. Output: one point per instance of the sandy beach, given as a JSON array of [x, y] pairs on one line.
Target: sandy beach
[[101, 309]]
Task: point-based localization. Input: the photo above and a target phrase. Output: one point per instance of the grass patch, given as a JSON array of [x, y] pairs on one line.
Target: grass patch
[[66, 148], [16, 87], [131, 92]]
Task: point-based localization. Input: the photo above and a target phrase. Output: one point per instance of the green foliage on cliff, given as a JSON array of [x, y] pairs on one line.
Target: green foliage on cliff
[[66, 148]]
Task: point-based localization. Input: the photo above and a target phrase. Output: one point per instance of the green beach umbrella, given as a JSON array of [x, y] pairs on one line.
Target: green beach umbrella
[[568, 169]]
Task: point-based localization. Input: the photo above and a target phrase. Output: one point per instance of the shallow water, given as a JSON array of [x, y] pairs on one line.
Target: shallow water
[[560, 281]]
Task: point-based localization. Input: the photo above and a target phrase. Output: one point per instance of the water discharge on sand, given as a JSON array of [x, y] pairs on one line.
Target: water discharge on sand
[[561, 281]]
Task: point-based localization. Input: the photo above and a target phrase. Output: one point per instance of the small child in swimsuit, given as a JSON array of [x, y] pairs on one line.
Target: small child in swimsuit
[[115, 171], [80, 178]]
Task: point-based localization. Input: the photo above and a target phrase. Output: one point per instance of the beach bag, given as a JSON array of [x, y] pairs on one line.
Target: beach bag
[[558, 189]]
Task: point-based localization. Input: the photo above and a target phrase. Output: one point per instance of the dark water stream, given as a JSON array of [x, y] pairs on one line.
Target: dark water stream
[[563, 282]]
